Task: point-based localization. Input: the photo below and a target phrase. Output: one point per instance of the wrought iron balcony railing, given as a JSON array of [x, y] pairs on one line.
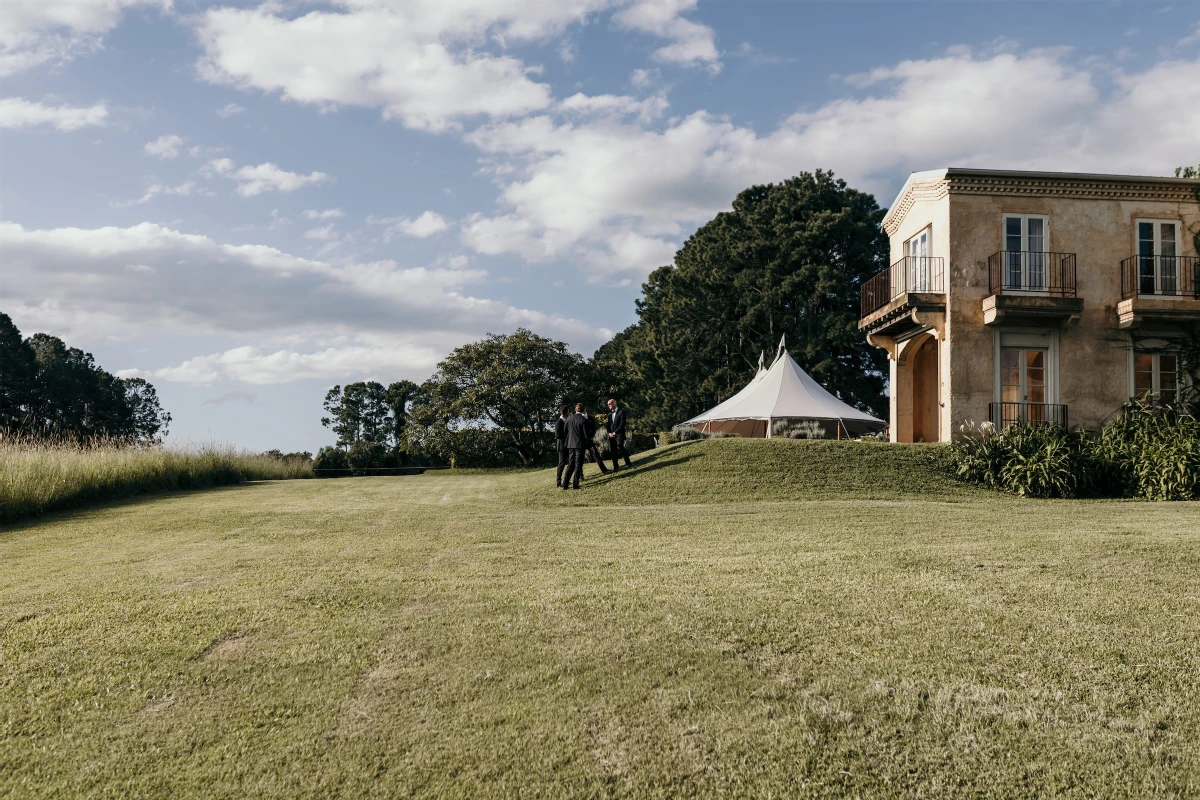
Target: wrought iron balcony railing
[[924, 274], [1031, 272], [1004, 414], [1164, 276]]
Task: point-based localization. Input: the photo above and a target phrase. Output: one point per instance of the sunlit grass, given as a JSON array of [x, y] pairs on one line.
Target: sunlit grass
[[36, 477], [725, 619]]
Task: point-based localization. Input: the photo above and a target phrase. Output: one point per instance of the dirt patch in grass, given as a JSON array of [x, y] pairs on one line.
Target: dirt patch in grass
[[229, 646]]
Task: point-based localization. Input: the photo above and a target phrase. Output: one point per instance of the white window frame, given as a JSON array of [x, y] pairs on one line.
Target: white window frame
[[1025, 282], [926, 232], [1137, 249]]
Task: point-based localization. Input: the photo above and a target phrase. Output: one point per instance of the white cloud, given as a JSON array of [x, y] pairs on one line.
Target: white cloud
[[644, 78], [325, 233], [229, 110], [164, 146], [647, 109], [34, 32], [329, 213], [621, 194], [427, 224], [338, 318], [155, 189], [263, 177], [424, 226], [692, 44], [17, 112], [423, 62]]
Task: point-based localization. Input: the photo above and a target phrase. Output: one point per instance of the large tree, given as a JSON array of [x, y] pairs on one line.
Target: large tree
[[787, 260], [509, 382]]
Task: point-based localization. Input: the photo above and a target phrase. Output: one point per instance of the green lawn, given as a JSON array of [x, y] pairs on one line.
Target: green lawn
[[768, 619]]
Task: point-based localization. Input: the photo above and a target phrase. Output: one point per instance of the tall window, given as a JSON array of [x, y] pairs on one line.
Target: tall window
[[918, 246], [919, 277], [1158, 375], [1158, 256], [1026, 237]]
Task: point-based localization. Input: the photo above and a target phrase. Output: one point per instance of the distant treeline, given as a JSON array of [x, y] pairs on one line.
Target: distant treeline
[[51, 391]]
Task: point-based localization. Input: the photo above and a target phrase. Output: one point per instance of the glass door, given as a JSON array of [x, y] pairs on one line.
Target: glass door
[[1023, 384], [918, 262], [1025, 257], [1158, 257]]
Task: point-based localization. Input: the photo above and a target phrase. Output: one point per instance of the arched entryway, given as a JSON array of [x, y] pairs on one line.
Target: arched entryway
[[916, 390], [925, 391]]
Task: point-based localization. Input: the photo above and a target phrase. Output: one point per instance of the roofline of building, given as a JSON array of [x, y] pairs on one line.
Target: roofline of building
[[946, 173]]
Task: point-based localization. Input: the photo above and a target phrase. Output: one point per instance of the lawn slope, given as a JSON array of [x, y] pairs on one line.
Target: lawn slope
[[477, 635], [740, 470]]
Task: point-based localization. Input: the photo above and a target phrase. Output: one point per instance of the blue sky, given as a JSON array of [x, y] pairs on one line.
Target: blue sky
[[247, 203]]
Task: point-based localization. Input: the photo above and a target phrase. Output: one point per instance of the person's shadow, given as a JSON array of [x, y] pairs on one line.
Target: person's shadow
[[659, 458]]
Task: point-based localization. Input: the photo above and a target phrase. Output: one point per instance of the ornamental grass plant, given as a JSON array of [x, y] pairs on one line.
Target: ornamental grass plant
[[1146, 451], [39, 476]]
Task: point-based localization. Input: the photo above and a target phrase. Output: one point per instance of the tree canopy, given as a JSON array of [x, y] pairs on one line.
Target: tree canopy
[[511, 382], [50, 390], [369, 420], [788, 259]]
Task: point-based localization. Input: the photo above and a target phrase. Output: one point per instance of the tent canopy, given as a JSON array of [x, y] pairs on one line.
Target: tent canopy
[[785, 391]]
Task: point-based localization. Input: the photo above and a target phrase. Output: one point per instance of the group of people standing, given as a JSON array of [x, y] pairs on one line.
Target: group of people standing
[[574, 436]]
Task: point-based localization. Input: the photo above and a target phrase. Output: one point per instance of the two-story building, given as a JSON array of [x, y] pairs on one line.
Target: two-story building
[[1035, 296]]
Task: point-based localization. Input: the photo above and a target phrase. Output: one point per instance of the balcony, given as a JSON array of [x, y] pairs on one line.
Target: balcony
[[890, 300], [1004, 414], [1159, 289], [1032, 286]]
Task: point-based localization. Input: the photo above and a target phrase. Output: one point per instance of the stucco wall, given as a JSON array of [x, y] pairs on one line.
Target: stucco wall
[[1093, 356]]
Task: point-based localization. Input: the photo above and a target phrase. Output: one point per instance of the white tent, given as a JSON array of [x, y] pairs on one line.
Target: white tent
[[784, 391]]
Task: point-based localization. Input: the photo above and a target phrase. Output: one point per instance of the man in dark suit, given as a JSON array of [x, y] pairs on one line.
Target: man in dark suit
[[577, 440], [560, 443], [591, 448], [616, 433]]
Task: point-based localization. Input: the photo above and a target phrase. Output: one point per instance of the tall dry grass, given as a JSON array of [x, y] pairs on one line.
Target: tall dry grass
[[36, 477]]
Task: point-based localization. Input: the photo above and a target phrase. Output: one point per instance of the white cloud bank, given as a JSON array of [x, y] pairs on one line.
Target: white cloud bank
[[17, 112], [337, 319], [620, 194], [34, 32], [423, 62]]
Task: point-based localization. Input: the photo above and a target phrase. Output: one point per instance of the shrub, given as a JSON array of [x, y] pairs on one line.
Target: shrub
[[331, 458], [1145, 451], [798, 429], [685, 433]]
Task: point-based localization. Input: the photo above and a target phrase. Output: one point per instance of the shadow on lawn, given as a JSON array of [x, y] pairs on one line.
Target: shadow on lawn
[[656, 459]]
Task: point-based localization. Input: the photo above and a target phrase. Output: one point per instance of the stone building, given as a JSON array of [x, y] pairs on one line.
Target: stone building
[[1036, 296]]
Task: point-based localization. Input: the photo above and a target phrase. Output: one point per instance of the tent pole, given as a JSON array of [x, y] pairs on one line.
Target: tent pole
[[768, 427], [839, 430]]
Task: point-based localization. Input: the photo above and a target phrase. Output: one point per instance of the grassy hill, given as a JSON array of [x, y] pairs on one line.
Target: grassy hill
[[738, 470], [724, 619]]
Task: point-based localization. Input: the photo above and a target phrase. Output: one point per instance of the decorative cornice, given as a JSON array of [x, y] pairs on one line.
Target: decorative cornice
[[1067, 186], [915, 192]]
